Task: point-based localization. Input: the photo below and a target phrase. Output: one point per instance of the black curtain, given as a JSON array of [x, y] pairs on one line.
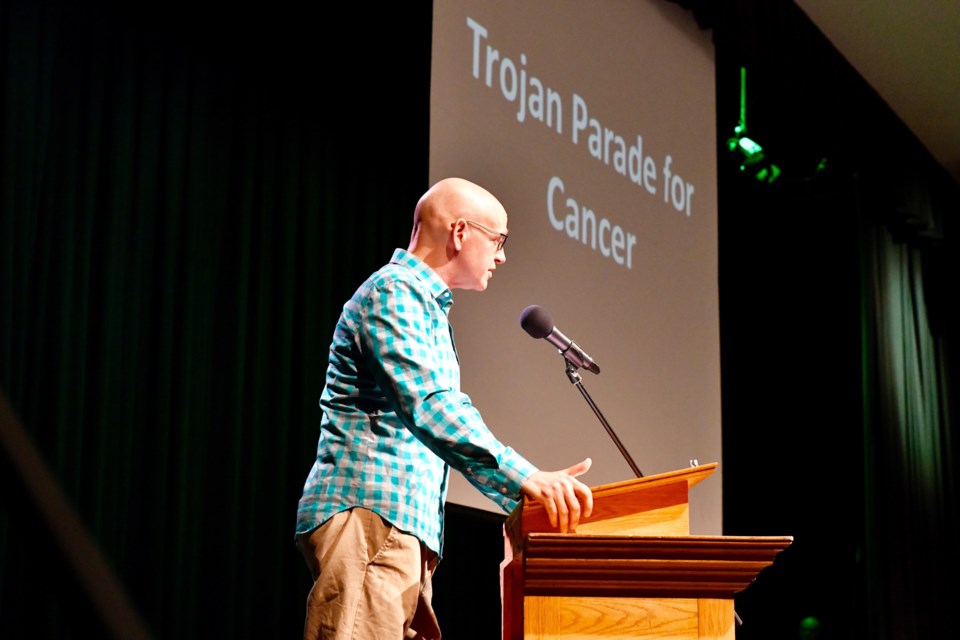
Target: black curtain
[[838, 340], [189, 193]]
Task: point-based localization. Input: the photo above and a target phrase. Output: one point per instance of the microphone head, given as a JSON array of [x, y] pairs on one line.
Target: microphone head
[[536, 321]]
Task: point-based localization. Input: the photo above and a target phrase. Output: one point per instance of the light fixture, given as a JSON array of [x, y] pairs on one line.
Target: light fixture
[[753, 161]]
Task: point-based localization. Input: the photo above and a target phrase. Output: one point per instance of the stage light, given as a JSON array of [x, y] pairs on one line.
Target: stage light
[[753, 160]]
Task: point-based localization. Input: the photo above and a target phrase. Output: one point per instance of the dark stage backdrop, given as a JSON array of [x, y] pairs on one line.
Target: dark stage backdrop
[[188, 194]]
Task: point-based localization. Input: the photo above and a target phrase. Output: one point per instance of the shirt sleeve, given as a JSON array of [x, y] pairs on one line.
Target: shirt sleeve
[[406, 337]]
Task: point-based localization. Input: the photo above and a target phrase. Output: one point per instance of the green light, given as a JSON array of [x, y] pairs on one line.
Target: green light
[[809, 628], [750, 148], [753, 157], [768, 174]]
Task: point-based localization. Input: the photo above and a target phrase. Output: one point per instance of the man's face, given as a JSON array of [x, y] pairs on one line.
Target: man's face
[[482, 250]]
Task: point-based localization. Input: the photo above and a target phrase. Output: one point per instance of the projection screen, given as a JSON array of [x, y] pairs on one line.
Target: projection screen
[[594, 124]]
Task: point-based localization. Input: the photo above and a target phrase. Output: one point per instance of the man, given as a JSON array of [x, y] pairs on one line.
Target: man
[[394, 422]]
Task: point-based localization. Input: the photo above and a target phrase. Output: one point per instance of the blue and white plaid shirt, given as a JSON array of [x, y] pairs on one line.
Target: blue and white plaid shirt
[[394, 418]]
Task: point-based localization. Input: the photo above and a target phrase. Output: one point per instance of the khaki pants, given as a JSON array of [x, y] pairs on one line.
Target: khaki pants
[[371, 581]]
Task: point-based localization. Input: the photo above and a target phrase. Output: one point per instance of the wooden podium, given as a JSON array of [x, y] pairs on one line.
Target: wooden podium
[[632, 569]]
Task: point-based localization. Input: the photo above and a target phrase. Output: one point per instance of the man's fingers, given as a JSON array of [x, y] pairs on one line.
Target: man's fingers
[[563, 512], [580, 468], [585, 495], [573, 502], [551, 512], [565, 499]]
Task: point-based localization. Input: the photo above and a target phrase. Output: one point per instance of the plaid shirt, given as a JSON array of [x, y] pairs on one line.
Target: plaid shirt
[[394, 418]]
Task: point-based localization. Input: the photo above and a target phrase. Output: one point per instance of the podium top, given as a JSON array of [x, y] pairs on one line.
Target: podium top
[[693, 476], [651, 505]]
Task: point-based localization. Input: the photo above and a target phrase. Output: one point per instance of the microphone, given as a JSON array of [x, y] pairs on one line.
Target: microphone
[[537, 322]]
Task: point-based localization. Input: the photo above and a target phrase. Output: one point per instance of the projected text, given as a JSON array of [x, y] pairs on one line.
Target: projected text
[[605, 144]]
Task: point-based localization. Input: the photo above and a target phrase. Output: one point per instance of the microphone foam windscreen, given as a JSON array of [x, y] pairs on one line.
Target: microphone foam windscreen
[[536, 321]]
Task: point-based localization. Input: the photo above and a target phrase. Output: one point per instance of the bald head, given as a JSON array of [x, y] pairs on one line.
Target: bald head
[[449, 199], [440, 226]]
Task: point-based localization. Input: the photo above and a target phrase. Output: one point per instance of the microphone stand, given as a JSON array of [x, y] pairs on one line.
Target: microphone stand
[[575, 379]]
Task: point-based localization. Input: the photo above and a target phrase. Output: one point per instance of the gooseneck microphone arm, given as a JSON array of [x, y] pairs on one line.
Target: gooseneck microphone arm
[[574, 376]]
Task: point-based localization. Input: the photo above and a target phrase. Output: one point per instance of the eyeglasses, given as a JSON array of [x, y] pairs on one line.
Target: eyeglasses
[[502, 240]]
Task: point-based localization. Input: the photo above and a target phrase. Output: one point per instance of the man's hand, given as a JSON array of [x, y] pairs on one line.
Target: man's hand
[[564, 497]]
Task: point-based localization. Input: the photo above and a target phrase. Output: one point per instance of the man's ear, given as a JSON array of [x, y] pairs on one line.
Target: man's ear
[[458, 233]]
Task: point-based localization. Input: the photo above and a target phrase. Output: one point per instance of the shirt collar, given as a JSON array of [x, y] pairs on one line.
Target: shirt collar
[[438, 288]]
